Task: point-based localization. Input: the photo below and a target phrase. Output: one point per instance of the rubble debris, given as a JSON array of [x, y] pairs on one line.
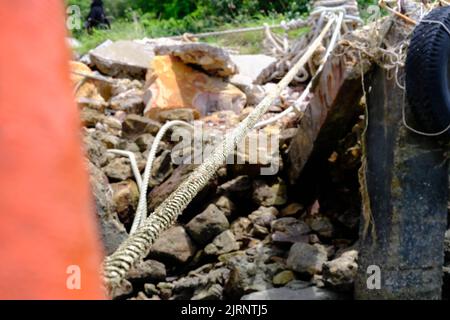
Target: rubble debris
[[123, 59], [213, 60], [173, 85], [173, 247], [208, 224]]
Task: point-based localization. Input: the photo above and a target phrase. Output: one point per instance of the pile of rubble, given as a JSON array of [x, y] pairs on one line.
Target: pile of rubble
[[288, 235]]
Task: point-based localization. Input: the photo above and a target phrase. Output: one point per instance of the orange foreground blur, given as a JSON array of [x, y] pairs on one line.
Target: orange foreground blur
[[47, 222]]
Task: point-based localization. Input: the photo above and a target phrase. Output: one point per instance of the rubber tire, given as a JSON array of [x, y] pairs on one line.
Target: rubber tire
[[427, 73]]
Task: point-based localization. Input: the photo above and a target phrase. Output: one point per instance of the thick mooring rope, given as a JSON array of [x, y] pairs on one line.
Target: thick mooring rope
[[137, 245]]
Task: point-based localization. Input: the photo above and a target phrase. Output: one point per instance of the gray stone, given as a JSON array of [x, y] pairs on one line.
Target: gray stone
[[263, 216], [147, 271], [118, 169], [322, 225], [307, 259], [150, 289], [125, 198], [265, 194], [101, 190], [237, 185], [162, 168], [113, 234], [123, 59], [124, 289], [340, 273], [223, 243], [135, 125], [225, 205], [90, 117], [94, 149], [250, 271], [289, 230], [183, 114], [213, 292], [241, 228], [173, 246], [130, 101], [144, 141], [309, 293], [213, 60], [293, 209], [208, 224]]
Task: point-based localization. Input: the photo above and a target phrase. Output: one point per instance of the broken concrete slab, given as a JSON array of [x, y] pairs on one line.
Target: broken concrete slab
[[124, 58], [252, 66], [171, 84], [213, 60]]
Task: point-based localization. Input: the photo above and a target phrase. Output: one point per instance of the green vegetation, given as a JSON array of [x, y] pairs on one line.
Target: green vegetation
[[133, 19]]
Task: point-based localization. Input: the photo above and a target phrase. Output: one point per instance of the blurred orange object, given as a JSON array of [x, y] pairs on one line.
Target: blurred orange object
[[47, 223]]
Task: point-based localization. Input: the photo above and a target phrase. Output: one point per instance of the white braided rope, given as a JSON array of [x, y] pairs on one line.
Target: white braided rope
[[141, 212], [134, 167]]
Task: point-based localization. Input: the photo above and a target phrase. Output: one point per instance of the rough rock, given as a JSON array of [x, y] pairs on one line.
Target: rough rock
[[88, 88], [265, 194], [147, 271], [208, 224], [173, 85], [94, 149], [307, 259], [125, 59], [225, 205], [289, 230], [135, 125], [292, 209], [110, 141], [90, 117], [213, 292], [213, 60], [241, 228], [321, 224], [162, 168], [252, 66], [309, 293], [130, 101], [198, 283], [239, 184], [283, 278], [122, 291], [255, 93], [251, 270], [263, 216], [125, 198], [118, 169], [144, 141], [113, 234], [223, 243], [101, 191], [340, 273], [161, 192], [187, 115], [150, 289], [173, 246]]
